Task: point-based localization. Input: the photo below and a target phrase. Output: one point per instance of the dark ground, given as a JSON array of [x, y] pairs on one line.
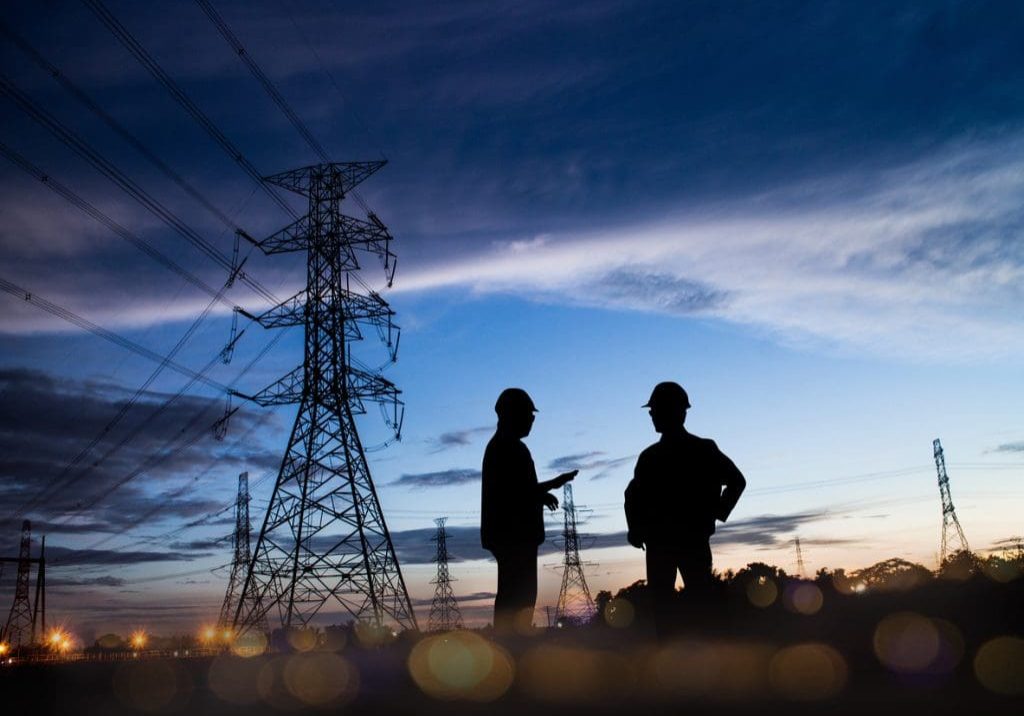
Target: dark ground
[[926, 651]]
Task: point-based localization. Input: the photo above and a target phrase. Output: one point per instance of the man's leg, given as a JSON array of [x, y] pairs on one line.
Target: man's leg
[[698, 584], [517, 587], [661, 585]]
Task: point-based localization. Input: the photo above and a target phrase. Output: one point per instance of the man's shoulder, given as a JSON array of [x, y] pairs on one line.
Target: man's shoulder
[[504, 447]]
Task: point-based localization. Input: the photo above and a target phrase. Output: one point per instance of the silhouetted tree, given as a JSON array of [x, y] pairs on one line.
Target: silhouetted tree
[[960, 565], [894, 574]]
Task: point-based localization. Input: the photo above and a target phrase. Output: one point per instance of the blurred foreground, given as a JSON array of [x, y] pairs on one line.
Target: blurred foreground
[[948, 647]]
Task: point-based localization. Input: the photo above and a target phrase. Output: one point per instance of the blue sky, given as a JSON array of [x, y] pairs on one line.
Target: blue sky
[[807, 215]]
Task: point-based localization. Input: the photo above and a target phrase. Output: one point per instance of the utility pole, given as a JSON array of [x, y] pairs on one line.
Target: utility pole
[[444, 610], [801, 571], [324, 541], [951, 530], [18, 631], [575, 604], [242, 549]]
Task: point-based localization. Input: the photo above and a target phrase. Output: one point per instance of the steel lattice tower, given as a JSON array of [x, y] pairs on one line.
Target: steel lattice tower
[[950, 523], [575, 604], [242, 548], [324, 541], [801, 570], [444, 610], [20, 622]]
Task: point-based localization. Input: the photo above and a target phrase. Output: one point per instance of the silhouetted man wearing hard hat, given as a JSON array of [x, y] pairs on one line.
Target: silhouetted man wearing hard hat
[[512, 511], [680, 486]]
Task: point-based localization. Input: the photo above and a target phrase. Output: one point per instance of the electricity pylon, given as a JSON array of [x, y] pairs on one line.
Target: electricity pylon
[[242, 549], [444, 610], [575, 604], [801, 570], [324, 542], [951, 530], [18, 631]]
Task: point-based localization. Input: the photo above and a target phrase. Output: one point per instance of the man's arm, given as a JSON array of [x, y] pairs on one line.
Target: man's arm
[[634, 534], [556, 482], [733, 481]]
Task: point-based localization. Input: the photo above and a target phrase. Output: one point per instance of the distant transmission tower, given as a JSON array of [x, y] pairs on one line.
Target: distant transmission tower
[[242, 548], [575, 604], [801, 571], [951, 530], [444, 610], [18, 630], [324, 542]]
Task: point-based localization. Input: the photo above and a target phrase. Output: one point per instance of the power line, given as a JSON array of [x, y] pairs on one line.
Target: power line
[[271, 90], [146, 60], [85, 324], [60, 189], [74, 142], [114, 125], [59, 482], [261, 77]]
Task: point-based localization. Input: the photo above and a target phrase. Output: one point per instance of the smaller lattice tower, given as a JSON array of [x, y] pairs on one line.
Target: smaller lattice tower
[[575, 605], [18, 631], [952, 532], [242, 548], [801, 570], [444, 610]]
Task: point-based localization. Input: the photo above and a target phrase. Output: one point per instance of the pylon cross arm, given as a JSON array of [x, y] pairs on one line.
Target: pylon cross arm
[[341, 176]]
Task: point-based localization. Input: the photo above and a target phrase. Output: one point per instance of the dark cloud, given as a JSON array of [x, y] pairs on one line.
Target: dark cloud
[[65, 556], [458, 438], [634, 288], [766, 530], [415, 546], [1011, 447], [104, 581], [441, 478], [46, 422], [594, 460], [475, 596], [201, 545]]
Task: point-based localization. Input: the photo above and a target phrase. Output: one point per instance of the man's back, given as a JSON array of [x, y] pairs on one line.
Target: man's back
[[676, 492]]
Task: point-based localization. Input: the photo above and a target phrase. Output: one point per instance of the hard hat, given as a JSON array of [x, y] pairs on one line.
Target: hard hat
[[514, 400], [668, 394]]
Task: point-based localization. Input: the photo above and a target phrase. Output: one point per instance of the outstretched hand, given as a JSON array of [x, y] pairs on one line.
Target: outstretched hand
[[550, 501], [564, 478]]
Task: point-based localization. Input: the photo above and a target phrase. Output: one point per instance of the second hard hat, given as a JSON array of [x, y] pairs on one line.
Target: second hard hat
[[514, 400], [669, 395]]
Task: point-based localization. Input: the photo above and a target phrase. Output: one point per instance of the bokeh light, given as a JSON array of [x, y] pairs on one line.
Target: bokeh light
[[808, 672], [555, 673], [710, 670], [803, 598], [152, 684], [234, 679], [999, 665], [251, 643], [909, 643], [461, 666], [301, 639], [619, 613], [320, 678], [762, 592]]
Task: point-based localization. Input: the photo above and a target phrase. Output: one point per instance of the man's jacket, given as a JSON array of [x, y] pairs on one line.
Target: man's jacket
[[511, 511], [676, 493]]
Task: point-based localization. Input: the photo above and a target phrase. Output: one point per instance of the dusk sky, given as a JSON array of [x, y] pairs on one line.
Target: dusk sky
[[808, 214]]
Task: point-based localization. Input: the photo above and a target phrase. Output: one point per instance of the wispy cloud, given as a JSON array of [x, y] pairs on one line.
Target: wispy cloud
[[458, 438], [442, 478], [819, 263], [589, 461], [1011, 447]]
